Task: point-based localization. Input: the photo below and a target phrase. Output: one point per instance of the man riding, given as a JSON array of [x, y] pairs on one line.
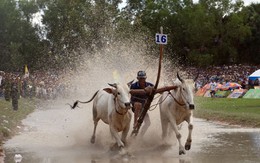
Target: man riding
[[139, 100]]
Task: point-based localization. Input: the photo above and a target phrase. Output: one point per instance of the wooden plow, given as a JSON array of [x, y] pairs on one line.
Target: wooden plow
[[160, 39]]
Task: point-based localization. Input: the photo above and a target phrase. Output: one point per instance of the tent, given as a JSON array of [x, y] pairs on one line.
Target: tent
[[252, 93], [207, 94], [201, 92], [255, 75], [237, 93], [222, 94], [230, 85]]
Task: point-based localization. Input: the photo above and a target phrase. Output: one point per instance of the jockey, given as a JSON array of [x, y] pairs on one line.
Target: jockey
[[138, 101]]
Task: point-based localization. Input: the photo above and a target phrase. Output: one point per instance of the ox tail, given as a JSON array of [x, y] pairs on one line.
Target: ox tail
[[83, 102]]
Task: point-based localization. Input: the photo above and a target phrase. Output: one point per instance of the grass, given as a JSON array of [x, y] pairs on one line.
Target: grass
[[244, 112], [10, 119]]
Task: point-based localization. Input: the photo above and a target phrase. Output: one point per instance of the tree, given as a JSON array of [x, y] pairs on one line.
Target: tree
[[18, 38], [249, 50]]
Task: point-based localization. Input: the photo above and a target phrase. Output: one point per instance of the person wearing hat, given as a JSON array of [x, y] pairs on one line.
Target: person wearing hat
[[138, 101]]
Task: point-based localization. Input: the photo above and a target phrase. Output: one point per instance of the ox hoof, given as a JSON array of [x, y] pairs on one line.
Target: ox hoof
[[187, 146], [122, 151], [182, 152], [115, 147], [92, 140]]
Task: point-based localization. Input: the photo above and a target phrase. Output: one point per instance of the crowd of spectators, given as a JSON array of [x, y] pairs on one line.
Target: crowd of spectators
[[224, 74], [46, 85], [38, 84]]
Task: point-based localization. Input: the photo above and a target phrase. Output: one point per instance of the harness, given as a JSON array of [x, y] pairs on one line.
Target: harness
[[179, 103], [169, 93], [116, 104]]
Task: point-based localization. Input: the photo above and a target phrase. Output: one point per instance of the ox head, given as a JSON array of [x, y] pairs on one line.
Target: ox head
[[121, 94], [186, 91]]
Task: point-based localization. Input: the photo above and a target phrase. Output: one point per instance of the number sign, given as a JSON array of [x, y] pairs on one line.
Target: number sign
[[161, 38]]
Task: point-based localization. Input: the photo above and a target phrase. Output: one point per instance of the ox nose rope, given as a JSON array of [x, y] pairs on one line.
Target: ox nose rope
[[181, 104]]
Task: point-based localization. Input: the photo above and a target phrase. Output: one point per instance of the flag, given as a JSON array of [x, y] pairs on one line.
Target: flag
[[26, 72]]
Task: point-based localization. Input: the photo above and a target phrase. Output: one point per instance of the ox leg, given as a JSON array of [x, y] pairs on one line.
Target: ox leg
[[93, 138], [116, 136], [120, 144], [124, 134], [178, 135], [189, 140], [147, 124], [164, 125], [126, 130]]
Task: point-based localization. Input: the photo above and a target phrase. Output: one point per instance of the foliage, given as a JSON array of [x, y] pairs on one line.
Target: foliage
[[199, 34], [18, 38]]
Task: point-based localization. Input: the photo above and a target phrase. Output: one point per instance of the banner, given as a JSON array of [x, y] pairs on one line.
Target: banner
[[26, 72]]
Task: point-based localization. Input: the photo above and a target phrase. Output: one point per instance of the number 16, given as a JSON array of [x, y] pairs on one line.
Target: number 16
[[160, 38]]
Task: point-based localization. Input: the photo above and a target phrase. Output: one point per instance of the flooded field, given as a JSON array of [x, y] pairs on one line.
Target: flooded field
[[57, 134]]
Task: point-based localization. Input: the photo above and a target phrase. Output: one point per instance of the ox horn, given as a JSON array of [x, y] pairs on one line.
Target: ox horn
[[178, 76], [113, 85], [129, 83]]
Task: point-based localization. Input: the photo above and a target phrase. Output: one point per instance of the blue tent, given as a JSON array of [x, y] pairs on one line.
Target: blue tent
[[255, 75]]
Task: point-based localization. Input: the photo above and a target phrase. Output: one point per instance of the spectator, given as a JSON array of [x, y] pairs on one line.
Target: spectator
[[213, 86], [15, 94]]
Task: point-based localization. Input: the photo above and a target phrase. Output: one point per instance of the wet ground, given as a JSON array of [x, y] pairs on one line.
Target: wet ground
[[57, 134]]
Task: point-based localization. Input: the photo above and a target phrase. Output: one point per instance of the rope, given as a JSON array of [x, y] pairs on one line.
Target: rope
[[155, 105], [116, 104]]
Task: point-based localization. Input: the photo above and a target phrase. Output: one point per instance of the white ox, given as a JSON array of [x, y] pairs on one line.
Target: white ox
[[175, 107], [112, 105]]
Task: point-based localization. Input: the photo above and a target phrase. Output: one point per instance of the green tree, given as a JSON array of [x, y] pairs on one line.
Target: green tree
[[19, 41], [73, 25], [249, 50]]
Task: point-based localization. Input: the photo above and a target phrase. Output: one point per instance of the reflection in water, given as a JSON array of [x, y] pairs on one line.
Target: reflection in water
[[226, 147], [211, 144], [237, 147]]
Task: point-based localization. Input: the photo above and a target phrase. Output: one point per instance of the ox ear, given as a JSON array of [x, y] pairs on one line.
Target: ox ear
[[178, 76], [130, 83], [108, 90], [113, 85]]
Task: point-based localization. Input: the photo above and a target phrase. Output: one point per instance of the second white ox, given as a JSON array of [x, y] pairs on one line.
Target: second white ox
[[175, 107], [112, 105]]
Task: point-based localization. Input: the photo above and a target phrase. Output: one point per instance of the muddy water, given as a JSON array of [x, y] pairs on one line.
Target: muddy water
[[56, 134]]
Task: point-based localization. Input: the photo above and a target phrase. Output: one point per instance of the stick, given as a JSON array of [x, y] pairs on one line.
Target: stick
[[151, 96]]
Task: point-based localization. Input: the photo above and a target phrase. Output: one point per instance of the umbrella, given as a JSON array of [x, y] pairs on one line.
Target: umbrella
[[207, 86], [231, 85]]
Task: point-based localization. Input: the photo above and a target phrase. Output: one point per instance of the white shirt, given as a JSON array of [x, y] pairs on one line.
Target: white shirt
[[213, 86]]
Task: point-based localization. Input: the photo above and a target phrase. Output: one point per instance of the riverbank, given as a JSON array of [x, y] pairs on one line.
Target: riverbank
[[242, 112], [10, 120]]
